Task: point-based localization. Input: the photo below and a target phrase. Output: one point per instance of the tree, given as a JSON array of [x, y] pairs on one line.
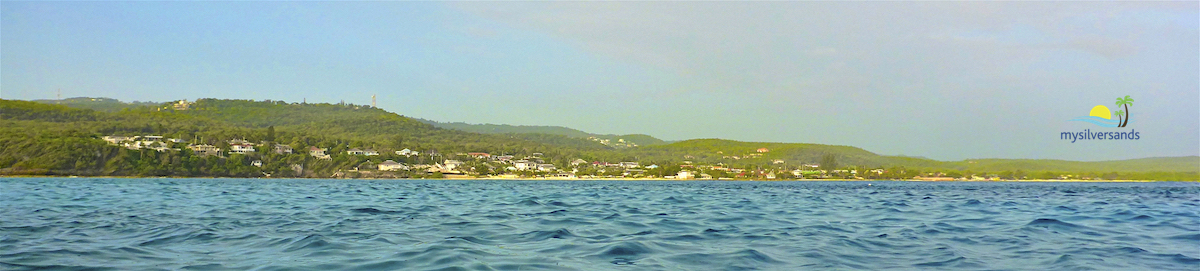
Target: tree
[[1126, 102], [271, 133], [829, 162]]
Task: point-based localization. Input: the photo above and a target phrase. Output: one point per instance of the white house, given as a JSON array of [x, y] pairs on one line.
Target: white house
[[525, 165], [407, 152], [390, 165], [117, 139], [685, 175], [319, 153], [355, 151], [370, 152], [577, 162], [243, 149], [546, 167], [452, 164], [629, 164]]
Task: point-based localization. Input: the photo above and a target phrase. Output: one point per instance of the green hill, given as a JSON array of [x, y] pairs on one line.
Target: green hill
[[53, 138], [616, 141], [98, 104]]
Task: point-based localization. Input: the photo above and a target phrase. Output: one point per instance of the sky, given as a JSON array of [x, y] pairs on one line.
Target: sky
[[943, 80]]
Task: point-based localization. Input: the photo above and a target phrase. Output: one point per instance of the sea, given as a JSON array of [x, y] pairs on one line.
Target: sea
[[332, 224]]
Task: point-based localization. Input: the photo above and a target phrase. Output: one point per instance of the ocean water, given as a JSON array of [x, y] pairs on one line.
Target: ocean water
[[260, 224]]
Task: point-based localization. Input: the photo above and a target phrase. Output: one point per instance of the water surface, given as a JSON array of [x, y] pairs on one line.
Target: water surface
[[244, 224]]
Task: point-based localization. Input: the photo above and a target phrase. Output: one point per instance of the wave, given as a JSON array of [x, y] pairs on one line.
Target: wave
[[1103, 122]]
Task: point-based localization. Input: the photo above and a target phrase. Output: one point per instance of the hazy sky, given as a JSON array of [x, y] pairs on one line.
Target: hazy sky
[[945, 80]]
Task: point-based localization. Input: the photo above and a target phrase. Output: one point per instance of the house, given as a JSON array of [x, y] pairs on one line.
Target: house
[[181, 105], [176, 140], [479, 155], [762, 150], [355, 151], [117, 139], [546, 167], [452, 164], [390, 165], [525, 165], [777, 161], [151, 138], [407, 152], [205, 149], [319, 153], [283, 149], [577, 162], [503, 158], [241, 148], [629, 164], [685, 175], [257, 163], [652, 167], [370, 152]]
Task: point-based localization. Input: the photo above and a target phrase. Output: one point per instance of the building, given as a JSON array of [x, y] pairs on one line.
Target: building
[[479, 155], [578, 162], [407, 152], [205, 149], [685, 175], [762, 150], [629, 164], [319, 153], [283, 149], [117, 139], [452, 164], [390, 165], [525, 165], [355, 151], [546, 167], [370, 152], [241, 148]]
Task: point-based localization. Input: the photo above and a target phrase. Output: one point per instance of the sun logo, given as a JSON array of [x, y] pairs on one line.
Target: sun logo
[[1101, 115]]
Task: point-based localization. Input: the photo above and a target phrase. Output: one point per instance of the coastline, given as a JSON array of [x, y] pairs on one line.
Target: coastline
[[503, 178]]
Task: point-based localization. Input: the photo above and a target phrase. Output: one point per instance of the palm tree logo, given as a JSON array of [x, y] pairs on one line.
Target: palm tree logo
[[1126, 102], [1101, 115]]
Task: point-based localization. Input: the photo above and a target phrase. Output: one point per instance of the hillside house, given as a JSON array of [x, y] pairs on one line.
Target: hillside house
[[319, 153], [578, 162], [355, 151], [407, 152], [115, 140], [370, 152], [451, 164], [525, 165], [283, 149], [762, 150], [241, 148], [390, 165], [205, 149], [546, 167]]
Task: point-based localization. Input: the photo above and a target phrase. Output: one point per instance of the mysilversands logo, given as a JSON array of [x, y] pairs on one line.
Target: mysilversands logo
[[1103, 117]]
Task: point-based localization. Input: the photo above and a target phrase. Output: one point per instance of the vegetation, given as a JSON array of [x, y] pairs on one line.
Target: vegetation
[[638, 139], [49, 138]]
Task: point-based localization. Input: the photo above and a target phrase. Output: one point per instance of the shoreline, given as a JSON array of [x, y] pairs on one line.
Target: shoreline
[[501, 178]]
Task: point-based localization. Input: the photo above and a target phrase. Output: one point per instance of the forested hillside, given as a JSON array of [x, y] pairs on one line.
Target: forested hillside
[[65, 139]]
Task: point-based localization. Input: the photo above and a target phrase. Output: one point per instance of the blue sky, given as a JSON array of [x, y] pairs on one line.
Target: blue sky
[[945, 80]]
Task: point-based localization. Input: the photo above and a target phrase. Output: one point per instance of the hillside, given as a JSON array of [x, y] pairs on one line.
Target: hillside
[[746, 154], [54, 138], [616, 141], [98, 104]]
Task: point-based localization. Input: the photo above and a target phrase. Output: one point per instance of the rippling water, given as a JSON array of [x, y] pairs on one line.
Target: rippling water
[[239, 224]]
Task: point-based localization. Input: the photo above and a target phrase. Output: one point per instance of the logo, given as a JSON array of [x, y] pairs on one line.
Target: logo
[[1100, 114]]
